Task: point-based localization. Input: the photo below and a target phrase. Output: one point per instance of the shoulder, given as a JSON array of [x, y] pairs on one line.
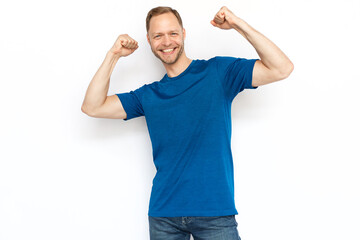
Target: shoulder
[[226, 60], [150, 87], [211, 62], [222, 61], [142, 90]]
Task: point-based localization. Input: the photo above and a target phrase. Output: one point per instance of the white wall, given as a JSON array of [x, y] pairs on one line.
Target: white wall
[[64, 175]]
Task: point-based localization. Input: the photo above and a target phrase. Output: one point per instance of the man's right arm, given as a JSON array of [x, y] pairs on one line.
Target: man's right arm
[[96, 102]]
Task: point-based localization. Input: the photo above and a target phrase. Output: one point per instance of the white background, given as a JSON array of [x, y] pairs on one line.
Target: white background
[[64, 175]]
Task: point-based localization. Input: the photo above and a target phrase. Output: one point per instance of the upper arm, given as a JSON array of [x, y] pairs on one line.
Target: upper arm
[[263, 75], [111, 108]]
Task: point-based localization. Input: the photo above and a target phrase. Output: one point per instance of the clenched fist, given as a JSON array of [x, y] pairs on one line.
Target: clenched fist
[[224, 19], [124, 46]]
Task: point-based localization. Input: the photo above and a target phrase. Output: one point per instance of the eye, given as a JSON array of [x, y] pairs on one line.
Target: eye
[[157, 36], [174, 34]]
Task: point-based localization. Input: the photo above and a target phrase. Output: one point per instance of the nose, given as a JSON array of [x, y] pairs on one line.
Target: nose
[[166, 40]]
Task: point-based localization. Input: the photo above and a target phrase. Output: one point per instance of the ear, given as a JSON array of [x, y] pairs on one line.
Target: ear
[[184, 33], [148, 39]]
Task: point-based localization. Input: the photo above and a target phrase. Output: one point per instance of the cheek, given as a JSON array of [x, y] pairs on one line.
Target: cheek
[[180, 42], [155, 44]]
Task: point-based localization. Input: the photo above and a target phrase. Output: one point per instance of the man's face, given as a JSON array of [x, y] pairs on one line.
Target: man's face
[[166, 37]]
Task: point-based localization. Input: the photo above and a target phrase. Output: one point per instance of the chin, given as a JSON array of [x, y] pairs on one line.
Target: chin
[[169, 62]]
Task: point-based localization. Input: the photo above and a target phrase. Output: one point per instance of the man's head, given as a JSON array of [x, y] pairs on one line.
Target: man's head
[[165, 34]]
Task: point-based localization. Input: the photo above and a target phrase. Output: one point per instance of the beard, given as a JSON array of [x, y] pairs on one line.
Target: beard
[[181, 49]]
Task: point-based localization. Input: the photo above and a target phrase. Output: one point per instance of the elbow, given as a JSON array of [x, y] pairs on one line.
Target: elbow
[[87, 111], [285, 73], [84, 109], [290, 69]]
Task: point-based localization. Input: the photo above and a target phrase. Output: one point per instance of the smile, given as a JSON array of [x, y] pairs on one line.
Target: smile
[[168, 51]]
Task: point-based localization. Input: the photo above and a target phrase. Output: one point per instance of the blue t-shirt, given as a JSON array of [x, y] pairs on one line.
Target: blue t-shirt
[[189, 123]]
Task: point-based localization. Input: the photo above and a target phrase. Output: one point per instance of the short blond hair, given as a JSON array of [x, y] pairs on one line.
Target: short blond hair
[[161, 10]]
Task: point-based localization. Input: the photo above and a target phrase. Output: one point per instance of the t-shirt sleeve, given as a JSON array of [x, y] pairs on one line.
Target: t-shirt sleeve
[[131, 102], [235, 74]]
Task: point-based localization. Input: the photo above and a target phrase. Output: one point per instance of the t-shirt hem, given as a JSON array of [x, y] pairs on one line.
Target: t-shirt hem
[[215, 213], [124, 104], [251, 73]]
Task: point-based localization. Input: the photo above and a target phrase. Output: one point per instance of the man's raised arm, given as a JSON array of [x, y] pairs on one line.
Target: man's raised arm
[[96, 102], [274, 64]]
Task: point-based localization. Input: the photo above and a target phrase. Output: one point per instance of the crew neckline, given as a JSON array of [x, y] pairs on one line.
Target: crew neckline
[[166, 78]]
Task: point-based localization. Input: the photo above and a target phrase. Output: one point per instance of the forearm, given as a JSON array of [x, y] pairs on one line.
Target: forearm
[[271, 56], [99, 86]]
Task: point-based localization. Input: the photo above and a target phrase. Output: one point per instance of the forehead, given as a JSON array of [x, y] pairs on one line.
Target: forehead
[[164, 23]]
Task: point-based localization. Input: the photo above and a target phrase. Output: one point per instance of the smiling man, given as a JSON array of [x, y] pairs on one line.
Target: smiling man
[[188, 115]]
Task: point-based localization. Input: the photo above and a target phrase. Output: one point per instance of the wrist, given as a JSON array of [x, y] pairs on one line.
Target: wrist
[[239, 24], [112, 55]]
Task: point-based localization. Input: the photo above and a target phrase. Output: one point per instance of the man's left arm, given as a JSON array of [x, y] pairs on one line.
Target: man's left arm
[[274, 64]]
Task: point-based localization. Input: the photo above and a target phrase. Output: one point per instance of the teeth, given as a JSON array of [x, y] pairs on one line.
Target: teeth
[[168, 50]]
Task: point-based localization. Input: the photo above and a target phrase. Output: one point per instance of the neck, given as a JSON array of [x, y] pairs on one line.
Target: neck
[[178, 67]]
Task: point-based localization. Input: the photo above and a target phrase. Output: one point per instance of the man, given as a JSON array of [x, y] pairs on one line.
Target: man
[[188, 114]]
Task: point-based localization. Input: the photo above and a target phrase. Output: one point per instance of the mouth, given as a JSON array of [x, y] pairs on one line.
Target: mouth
[[168, 51]]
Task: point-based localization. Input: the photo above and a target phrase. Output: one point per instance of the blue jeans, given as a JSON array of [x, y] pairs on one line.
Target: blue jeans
[[201, 228]]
